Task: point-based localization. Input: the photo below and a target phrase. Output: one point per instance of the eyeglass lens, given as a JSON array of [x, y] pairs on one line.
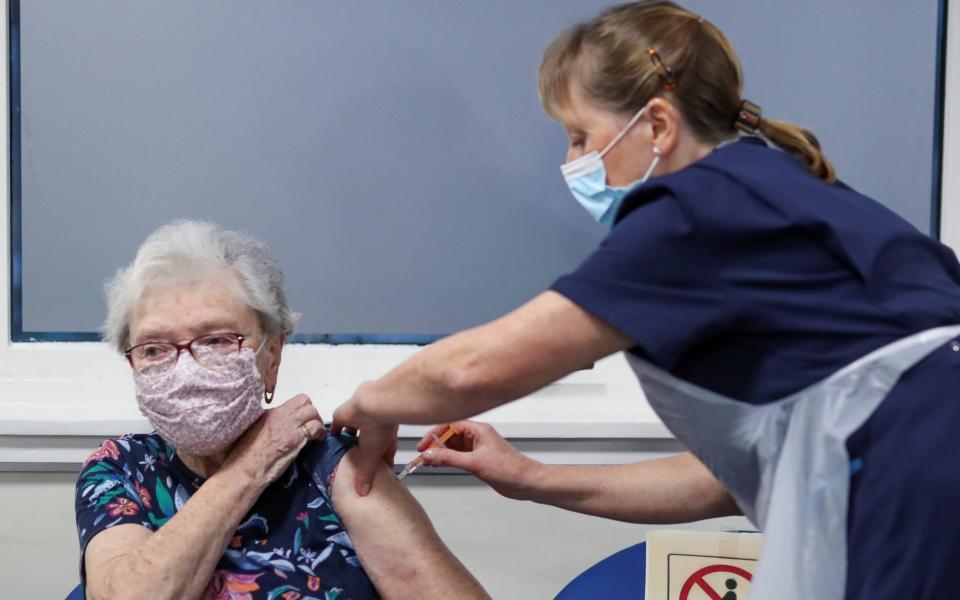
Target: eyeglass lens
[[213, 351]]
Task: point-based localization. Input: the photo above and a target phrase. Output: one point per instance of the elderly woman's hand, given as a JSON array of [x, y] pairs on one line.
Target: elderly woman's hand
[[268, 447]]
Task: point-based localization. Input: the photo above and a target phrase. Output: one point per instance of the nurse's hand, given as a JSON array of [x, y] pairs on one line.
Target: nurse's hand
[[479, 449], [377, 442]]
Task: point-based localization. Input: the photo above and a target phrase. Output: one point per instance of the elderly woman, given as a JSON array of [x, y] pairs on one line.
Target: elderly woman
[[228, 500]]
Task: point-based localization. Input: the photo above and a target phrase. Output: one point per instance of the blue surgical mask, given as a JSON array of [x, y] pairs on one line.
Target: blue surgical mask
[[587, 179]]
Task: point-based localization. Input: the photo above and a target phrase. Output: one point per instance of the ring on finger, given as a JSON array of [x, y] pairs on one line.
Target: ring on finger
[[306, 432]]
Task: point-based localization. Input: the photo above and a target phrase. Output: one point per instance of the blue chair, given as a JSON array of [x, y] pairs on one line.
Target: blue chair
[[76, 594], [620, 576]]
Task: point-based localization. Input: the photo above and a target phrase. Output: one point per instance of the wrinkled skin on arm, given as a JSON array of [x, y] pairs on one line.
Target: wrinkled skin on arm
[[399, 549]]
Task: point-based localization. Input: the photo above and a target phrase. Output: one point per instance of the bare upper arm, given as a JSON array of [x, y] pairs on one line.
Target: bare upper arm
[[536, 344], [399, 549], [554, 322], [105, 547]]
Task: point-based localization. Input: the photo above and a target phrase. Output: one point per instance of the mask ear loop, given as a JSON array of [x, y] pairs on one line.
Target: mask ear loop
[[657, 154], [626, 129], [653, 164]]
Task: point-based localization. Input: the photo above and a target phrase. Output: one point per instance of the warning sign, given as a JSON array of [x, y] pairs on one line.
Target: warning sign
[[717, 582], [685, 565]]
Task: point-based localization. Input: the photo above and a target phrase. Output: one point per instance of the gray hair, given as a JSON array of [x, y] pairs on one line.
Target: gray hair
[[185, 251]]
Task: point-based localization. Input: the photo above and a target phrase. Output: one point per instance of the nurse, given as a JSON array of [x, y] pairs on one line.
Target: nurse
[[795, 335]]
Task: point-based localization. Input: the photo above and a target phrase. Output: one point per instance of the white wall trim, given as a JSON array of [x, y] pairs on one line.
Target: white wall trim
[[59, 399], [86, 389], [950, 186]]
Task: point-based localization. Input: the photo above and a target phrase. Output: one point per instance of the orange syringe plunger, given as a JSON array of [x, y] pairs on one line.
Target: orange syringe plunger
[[438, 442]]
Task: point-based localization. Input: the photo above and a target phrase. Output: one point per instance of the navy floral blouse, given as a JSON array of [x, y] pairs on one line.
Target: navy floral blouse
[[290, 546]]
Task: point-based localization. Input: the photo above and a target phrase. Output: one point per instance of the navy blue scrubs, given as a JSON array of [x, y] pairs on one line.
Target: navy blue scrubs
[[747, 275]]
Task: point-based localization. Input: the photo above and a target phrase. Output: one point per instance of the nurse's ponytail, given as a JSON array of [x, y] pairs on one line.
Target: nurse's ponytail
[[800, 142], [634, 52]]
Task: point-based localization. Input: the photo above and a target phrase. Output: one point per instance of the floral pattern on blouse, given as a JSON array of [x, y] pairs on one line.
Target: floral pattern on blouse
[[290, 546]]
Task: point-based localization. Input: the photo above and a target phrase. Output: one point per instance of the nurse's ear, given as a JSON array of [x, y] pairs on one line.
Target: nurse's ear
[[665, 122]]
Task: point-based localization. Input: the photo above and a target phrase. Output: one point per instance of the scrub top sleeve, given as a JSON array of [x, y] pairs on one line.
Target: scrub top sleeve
[[656, 279]]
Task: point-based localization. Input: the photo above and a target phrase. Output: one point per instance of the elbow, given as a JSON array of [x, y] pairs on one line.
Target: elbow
[[105, 582], [471, 365], [458, 382], [121, 582], [479, 388], [112, 584], [465, 383], [714, 503], [726, 506]]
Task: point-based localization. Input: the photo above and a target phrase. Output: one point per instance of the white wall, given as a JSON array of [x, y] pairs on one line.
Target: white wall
[[518, 550]]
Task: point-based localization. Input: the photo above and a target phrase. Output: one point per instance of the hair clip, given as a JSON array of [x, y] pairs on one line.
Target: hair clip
[[748, 117], [666, 75]]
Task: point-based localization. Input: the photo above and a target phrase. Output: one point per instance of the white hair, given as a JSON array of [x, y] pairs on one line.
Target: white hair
[[186, 251]]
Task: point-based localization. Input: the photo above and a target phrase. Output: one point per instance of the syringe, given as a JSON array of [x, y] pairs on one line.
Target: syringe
[[438, 442]]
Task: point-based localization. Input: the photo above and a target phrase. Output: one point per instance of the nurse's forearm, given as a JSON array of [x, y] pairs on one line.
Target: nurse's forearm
[[482, 368], [678, 489]]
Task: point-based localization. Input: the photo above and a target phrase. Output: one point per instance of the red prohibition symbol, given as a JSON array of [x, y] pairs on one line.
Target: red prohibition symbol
[[697, 580]]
